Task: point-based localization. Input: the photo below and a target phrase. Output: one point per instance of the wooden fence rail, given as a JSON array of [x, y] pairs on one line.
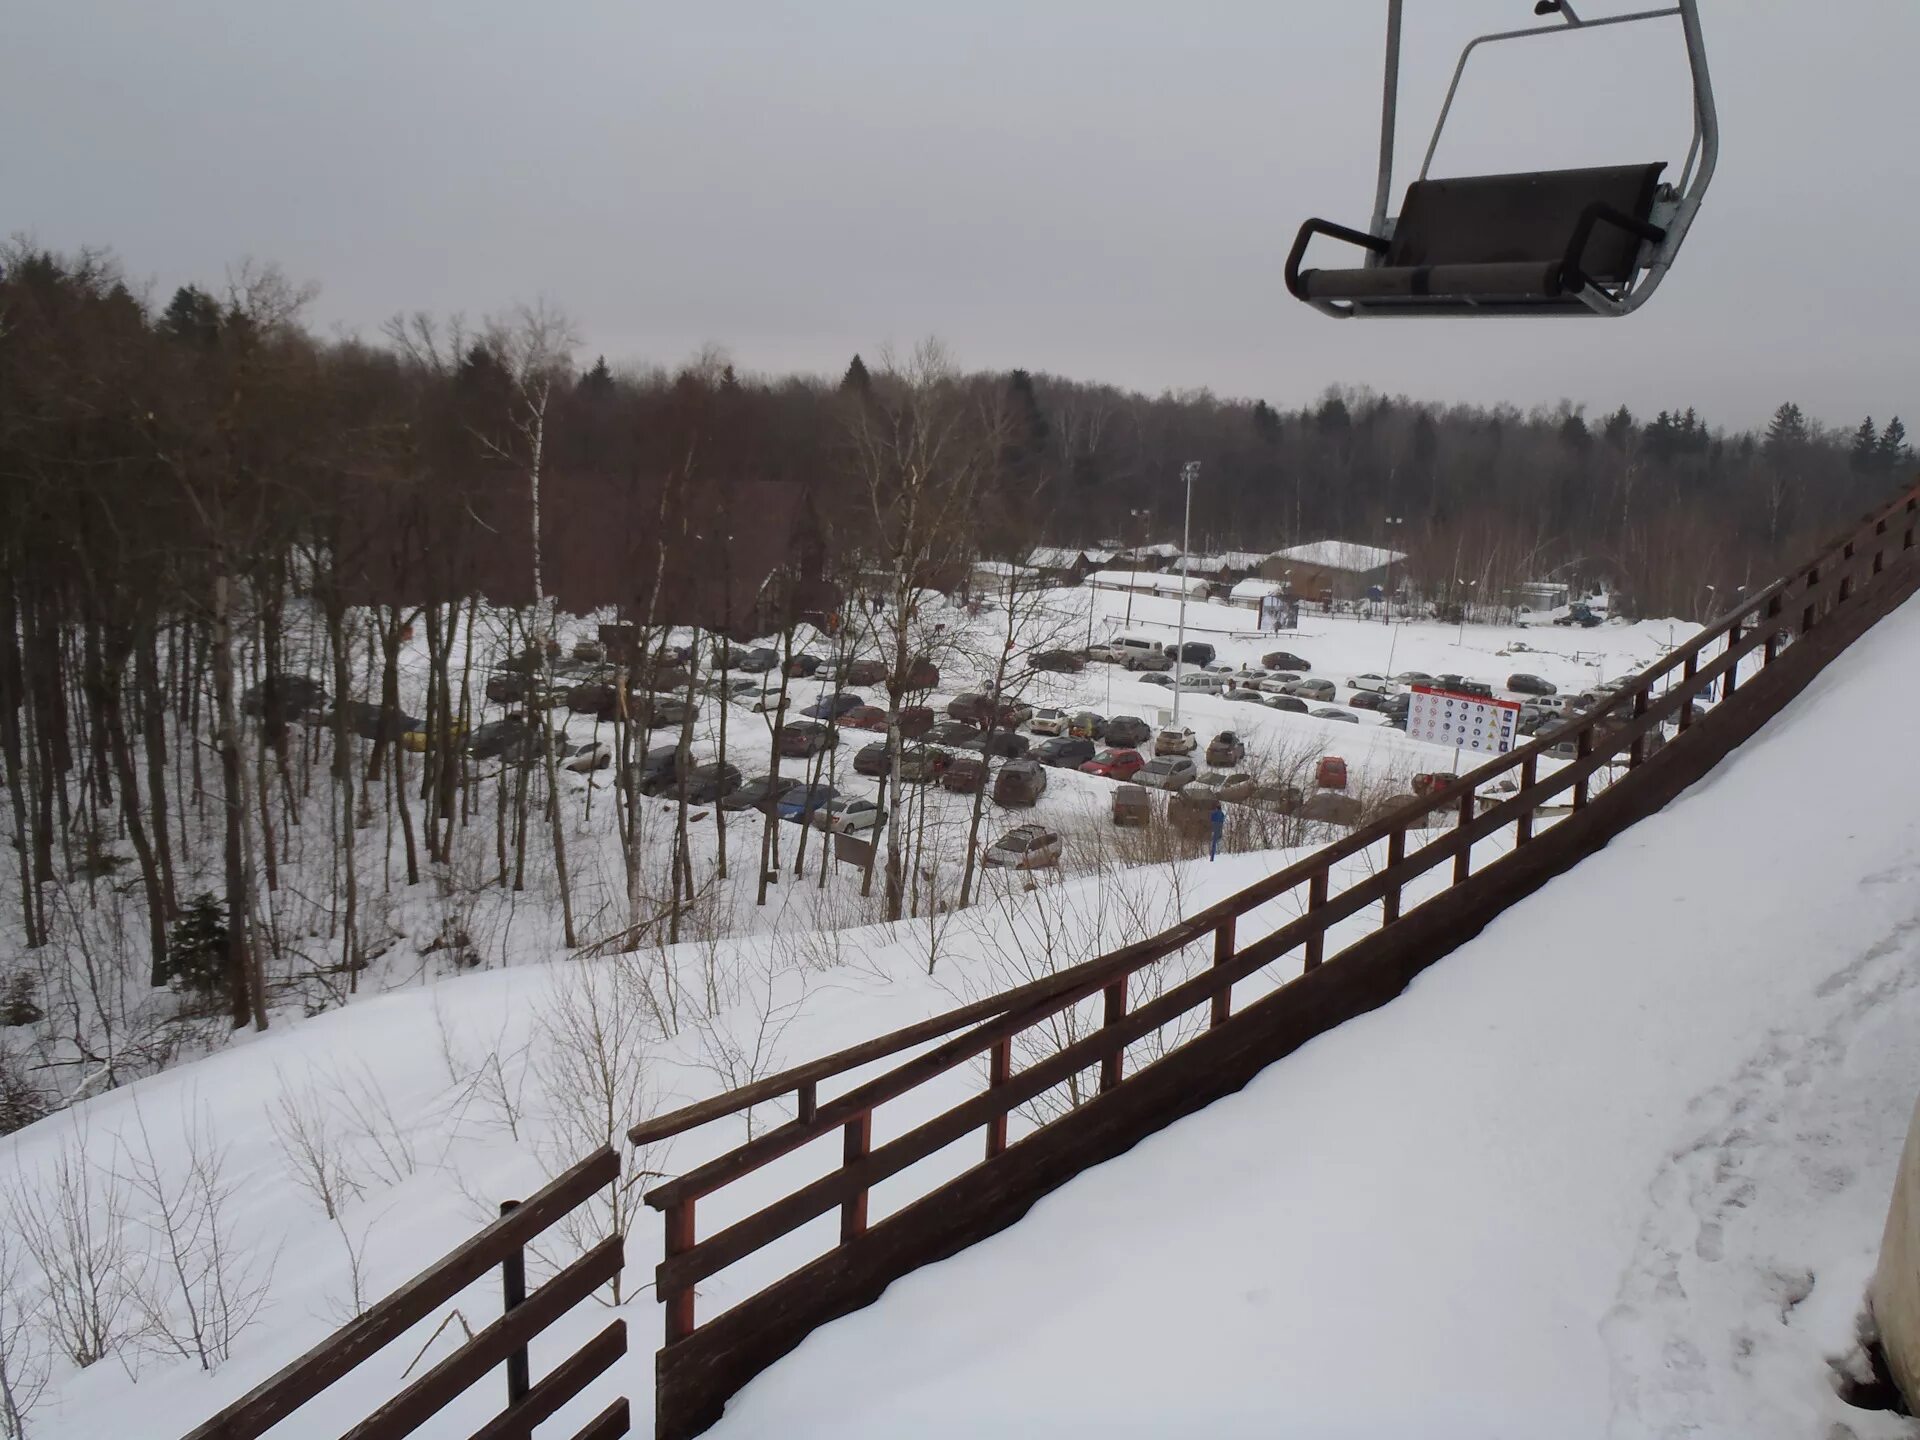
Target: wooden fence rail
[[1783, 635], [501, 1245]]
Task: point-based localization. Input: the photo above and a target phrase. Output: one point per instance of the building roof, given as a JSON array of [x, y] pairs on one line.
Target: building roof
[[1145, 580], [1251, 589], [1056, 557], [1340, 555], [1230, 560]]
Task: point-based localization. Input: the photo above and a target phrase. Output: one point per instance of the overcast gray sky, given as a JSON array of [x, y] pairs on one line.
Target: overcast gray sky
[[1100, 188]]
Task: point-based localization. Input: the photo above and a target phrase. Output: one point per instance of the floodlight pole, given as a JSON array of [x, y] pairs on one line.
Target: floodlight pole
[[1189, 473]]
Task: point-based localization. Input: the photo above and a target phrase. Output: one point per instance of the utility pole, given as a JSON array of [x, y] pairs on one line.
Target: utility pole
[[1189, 472]]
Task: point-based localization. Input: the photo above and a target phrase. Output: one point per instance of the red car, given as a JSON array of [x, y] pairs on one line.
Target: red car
[[864, 717], [1114, 764]]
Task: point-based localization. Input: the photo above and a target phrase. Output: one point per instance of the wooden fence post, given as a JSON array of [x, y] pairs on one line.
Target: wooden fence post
[[1732, 679], [1523, 827], [999, 1071], [1396, 852], [1222, 953], [1116, 1011], [679, 1301], [1463, 861], [1638, 749], [1583, 747], [513, 1294], [858, 1140], [1687, 673], [1317, 941]]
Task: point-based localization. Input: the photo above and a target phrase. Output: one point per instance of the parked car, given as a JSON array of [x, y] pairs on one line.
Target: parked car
[[801, 801], [758, 660], [1334, 712], [732, 687], [658, 713], [593, 697], [833, 706], [1395, 705], [803, 737], [282, 698], [864, 672], [1284, 660], [1226, 748], [1025, 847], [1203, 682], [802, 665], [759, 793], [1429, 782], [587, 758], [1020, 782], [726, 657], [1048, 720], [1279, 799], [1290, 703], [589, 652], [1522, 684], [1554, 704], [1367, 700], [1479, 689], [964, 774], [848, 815], [1128, 730], [1194, 652], [1579, 614], [497, 737], [1008, 743], [1087, 725], [864, 717], [978, 710], [922, 674], [711, 782], [1380, 684], [414, 737], [875, 759], [658, 770], [1330, 773], [1332, 808], [1138, 654], [1413, 677], [1114, 764], [1246, 695], [1157, 678], [921, 764], [1313, 688], [1069, 750], [506, 687], [1059, 662], [1175, 742], [915, 720], [1132, 805], [1166, 772], [954, 733], [1233, 786]]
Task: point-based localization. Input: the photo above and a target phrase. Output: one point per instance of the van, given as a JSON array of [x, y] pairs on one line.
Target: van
[[1202, 681], [1138, 654]]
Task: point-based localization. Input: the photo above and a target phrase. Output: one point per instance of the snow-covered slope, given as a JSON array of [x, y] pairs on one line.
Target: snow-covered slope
[[1617, 1168]]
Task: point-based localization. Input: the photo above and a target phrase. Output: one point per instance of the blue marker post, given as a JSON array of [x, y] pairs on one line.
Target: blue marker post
[[1218, 819]]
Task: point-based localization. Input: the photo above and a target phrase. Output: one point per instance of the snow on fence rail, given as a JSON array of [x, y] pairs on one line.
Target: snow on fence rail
[[1785, 634], [502, 1244]]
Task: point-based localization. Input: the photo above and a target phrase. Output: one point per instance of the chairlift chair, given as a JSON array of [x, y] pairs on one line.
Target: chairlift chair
[[1593, 241]]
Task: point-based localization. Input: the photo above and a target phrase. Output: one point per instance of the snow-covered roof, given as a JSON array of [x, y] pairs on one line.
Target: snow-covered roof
[[1251, 589], [1056, 557], [1230, 560], [1146, 580], [1002, 568], [1339, 555], [1166, 550]]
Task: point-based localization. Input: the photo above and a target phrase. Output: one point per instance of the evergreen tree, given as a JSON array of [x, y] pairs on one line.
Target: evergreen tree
[[1787, 432], [1895, 453], [598, 380], [197, 949], [1266, 422], [192, 315], [856, 379], [1334, 418], [1619, 426], [1573, 433], [1662, 435], [1865, 455]]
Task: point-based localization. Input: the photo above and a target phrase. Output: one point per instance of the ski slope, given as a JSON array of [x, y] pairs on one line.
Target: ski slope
[[1616, 1168]]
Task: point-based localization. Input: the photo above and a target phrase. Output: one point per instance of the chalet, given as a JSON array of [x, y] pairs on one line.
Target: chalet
[[1347, 570]]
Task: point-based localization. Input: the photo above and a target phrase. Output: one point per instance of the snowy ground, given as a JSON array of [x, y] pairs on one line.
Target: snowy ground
[[1616, 1169]]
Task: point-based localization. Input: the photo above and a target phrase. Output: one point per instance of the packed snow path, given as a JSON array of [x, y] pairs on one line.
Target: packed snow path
[[1616, 1168]]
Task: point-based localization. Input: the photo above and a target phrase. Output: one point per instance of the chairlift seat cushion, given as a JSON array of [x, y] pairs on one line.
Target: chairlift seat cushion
[[1499, 237]]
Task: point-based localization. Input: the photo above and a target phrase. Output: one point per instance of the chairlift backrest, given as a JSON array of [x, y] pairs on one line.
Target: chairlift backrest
[[1493, 219]]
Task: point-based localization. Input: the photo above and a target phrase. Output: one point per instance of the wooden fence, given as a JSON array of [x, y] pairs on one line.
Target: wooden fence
[[501, 1245], [1784, 635]]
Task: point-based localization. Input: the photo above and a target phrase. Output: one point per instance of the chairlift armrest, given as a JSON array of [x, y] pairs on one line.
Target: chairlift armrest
[[1572, 276], [1315, 227]]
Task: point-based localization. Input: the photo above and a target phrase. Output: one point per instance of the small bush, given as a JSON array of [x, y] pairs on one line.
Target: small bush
[[17, 1006], [197, 949]]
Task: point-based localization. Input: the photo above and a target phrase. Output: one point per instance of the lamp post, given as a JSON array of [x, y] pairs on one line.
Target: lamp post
[[1189, 472], [1386, 610]]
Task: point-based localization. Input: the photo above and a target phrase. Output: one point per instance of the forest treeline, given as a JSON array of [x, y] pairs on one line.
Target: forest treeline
[[179, 481]]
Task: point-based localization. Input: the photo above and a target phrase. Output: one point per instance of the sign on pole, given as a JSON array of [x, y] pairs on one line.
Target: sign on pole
[[1466, 722]]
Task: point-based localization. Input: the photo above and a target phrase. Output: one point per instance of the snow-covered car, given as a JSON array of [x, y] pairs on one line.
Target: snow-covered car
[[1127, 731], [587, 758], [1175, 742], [848, 815], [1229, 785], [1166, 772], [1370, 681], [1048, 720], [1156, 677], [1025, 847], [1226, 748], [1334, 712]]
